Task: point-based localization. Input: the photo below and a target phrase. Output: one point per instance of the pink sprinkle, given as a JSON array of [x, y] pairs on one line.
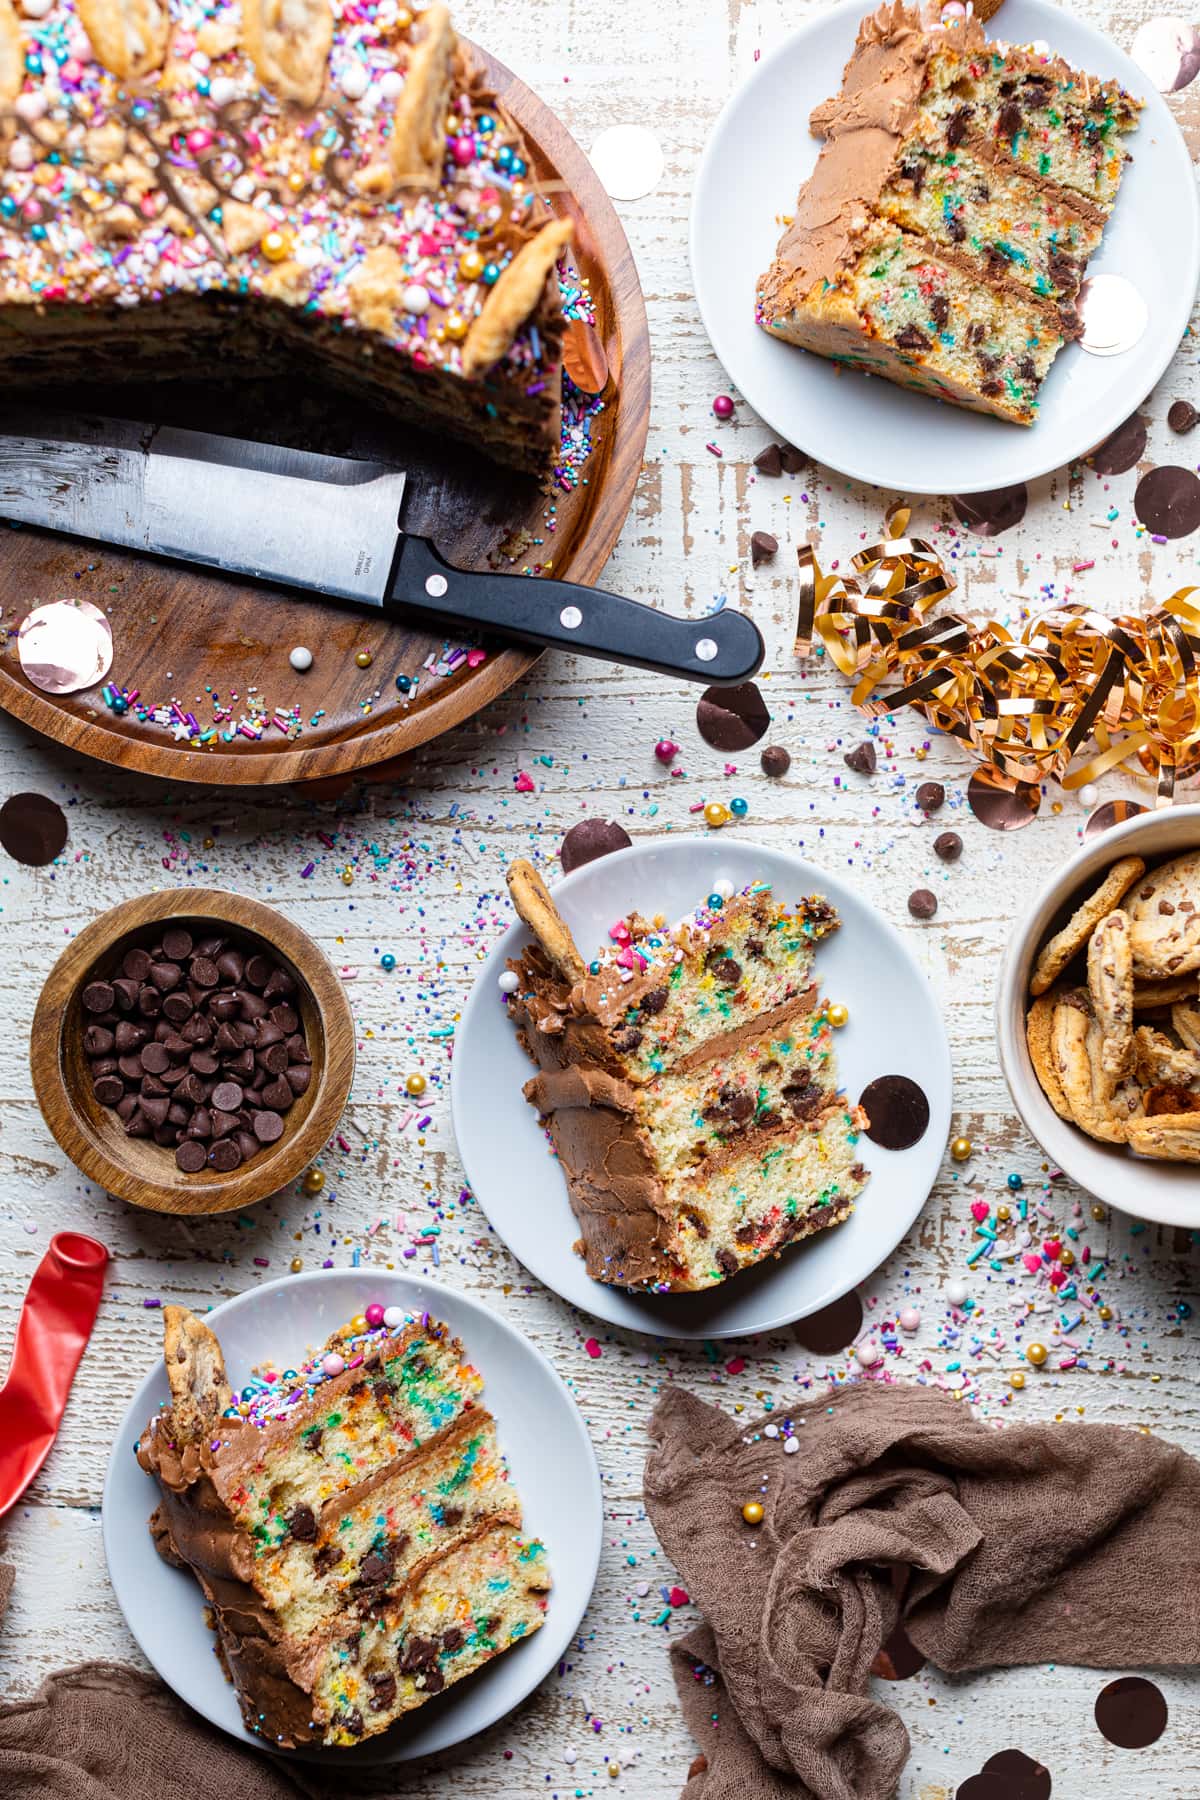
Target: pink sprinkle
[[475, 657], [979, 1211], [679, 1597], [524, 783], [712, 449], [1032, 1262], [735, 1365], [592, 1347]]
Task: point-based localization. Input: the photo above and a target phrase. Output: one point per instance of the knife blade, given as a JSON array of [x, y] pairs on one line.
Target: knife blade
[[327, 526]]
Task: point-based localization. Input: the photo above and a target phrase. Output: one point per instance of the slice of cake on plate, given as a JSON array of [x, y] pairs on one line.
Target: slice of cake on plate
[[350, 1522], [688, 1082], [943, 236], [329, 185]]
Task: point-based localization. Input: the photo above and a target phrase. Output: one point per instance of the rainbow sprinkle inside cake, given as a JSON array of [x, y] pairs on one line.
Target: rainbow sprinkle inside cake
[[350, 1522], [187, 184], [688, 1082], [944, 234]]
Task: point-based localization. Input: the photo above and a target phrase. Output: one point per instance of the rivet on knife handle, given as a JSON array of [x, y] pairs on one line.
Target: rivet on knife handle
[[723, 649]]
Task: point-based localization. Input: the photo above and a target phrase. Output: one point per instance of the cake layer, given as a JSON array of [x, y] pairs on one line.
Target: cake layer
[[773, 1082], [465, 1608], [364, 1545], [991, 219], [405, 1391], [1053, 121], [735, 1213]]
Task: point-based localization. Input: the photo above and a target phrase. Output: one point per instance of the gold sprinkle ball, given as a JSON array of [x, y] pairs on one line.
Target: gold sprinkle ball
[[961, 1148], [1105, 1313], [1017, 1380], [277, 246], [838, 1015], [1099, 1214], [752, 1512], [364, 659], [470, 265], [314, 1181], [415, 1083], [614, 1769], [1067, 1258], [716, 815], [297, 1264], [358, 1324], [455, 327], [1036, 1354], [347, 877], [1004, 1214]]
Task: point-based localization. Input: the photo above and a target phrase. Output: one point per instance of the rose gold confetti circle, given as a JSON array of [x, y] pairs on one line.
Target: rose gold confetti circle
[[1000, 806], [1167, 51], [65, 646], [1114, 315], [629, 161], [1113, 812]]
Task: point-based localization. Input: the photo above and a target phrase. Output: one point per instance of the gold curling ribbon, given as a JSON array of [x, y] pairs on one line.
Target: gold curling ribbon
[[1072, 683]]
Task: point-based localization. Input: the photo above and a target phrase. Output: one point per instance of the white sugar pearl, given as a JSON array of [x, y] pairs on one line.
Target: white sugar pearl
[[569, 1757], [354, 80], [724, 888], [790, 1446], [771, 1431], [415, 298], [390, 85], [393, 1316], [36, 9], [910, 1318], [509, 982], [956, 1292], [31, 106], [1088, 796], [222, 90], [868, 1354], [20, 154], [300, 658]]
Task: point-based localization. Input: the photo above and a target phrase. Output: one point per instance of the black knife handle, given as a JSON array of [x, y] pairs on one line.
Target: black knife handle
[[723, 649]]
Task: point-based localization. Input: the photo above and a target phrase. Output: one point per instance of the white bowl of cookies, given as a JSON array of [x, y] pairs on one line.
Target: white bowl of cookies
[[1098, 1017]]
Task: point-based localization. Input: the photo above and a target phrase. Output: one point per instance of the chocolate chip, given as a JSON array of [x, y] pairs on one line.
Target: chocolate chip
[[268, 1127], [770, 460], [727, 1262], [109, 1089], [763, 546], [911, 337], [227, 1096], [98, 997], [791, 459], [922, 904], [775, 761], [862, 759], [589, 839], [190, 1156], [177, 944], [1182, 416], [930, 796], [956, 126], [947, 845]]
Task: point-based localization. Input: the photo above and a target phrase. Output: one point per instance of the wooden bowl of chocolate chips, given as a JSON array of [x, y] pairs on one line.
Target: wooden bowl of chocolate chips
[[192, 1051]]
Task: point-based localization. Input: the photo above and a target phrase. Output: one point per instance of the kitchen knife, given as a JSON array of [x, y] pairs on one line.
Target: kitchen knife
[[325, 525]]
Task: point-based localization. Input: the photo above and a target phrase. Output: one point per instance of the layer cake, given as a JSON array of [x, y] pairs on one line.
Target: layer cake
[[189, 186], [350, 1522], [688, 1082], [943, 236]]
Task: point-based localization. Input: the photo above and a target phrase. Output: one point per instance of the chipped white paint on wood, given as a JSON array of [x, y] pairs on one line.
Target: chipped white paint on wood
[[669, 65]]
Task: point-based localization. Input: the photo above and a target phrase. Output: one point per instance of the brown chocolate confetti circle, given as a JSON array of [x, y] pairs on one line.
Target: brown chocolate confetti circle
[[991, 513], [1167, 502], [826, 1332], [1122, 448], [33, 829], [589, 839], [1009, 1775], [999, 806], [732, 718], [1113, 812], [1131, 1712], [897, 1110], [899, 1658]]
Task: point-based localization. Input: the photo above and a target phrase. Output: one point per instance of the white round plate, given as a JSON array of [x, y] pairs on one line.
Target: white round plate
[[541, 1434], [895, 1028], [759, 153]]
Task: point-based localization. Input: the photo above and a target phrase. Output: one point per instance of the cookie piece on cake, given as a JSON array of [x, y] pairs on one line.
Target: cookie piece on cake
[[352, 1525], [327, 187], [944, 234], [688, 1082]]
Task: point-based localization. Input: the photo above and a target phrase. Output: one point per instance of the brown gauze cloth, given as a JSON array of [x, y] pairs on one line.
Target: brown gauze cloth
[[994, 1547]]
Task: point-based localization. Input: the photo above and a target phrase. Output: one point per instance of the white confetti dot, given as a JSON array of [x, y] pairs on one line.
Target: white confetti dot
[[790, 1446], [415, 298], [509, 982], [300, 658], [956, 1292], [354, 80], [771, 1431]]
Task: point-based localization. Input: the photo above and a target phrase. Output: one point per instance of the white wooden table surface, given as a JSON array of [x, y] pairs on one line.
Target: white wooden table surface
[[428, 885]]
